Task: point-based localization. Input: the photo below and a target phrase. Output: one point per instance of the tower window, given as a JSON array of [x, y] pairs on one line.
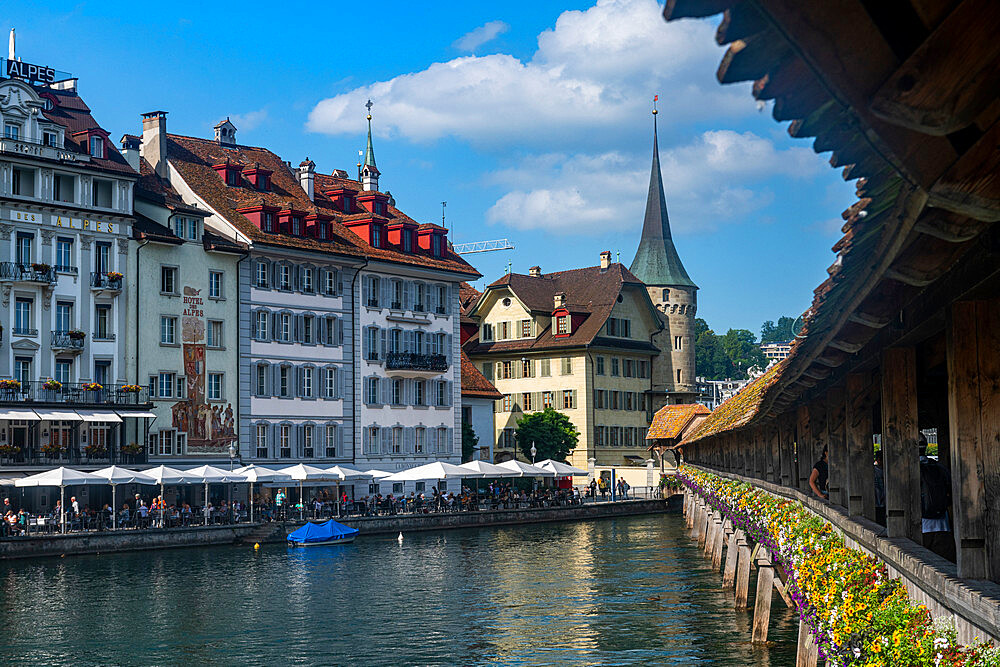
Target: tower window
[[666, 295], [678, 375], [678, 341]]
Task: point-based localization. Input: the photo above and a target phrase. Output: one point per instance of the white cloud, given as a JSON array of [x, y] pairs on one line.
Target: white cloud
[[594, 72], [487, 32], [248, 121], [717, 178]]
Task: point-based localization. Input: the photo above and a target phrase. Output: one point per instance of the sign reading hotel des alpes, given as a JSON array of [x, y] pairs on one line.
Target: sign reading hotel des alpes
[[209, 427], [66, 222]]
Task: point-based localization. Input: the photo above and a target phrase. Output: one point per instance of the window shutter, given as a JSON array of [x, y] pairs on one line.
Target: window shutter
[[365, 343], [341, 383], [381, 336], [448, 393], [447, 346], [386, 292], [365, 441], [253, 324], [340, 331], [386, 388], [366, 291], [340, 442], [572, 401], [386, 434]]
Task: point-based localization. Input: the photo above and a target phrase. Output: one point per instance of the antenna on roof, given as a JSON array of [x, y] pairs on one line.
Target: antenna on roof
[[443, 205]]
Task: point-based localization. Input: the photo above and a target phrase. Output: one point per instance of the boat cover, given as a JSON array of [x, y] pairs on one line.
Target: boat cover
[[321, 532]]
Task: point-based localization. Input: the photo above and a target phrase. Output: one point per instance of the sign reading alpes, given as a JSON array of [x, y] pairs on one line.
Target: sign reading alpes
[[29, 72]]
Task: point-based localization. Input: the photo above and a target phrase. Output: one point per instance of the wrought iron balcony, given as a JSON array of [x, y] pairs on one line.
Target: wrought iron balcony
[[105, 281], [74, 393], [68, 340], [24, 331], [65, 268], [410, 361], [27, 273]]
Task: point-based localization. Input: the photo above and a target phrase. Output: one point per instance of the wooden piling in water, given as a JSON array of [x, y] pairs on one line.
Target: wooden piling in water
[[720, 536], [762, 605], [729, 571], [807, 653], [742, 571], [713, 526]]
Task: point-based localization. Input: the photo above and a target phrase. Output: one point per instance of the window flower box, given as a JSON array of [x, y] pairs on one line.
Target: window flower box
[[114, 275], [40, 268], [53, 385], [95, 450], [132, 448], [52, 449], [10, 385], [131, 388], [76, 334], [91, 386], [9, 450]]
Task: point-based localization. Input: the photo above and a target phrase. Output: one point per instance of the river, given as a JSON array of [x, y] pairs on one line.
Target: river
[[624, 591]]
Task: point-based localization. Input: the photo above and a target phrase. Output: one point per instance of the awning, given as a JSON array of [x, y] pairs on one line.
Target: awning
[[6, 413], [58, 415], [143, 413], [99, 416]]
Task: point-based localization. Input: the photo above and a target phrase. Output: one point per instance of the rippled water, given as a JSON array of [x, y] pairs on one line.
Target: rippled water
[[609, 592]]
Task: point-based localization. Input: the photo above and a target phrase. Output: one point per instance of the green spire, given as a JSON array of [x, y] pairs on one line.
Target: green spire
[[370, 151]]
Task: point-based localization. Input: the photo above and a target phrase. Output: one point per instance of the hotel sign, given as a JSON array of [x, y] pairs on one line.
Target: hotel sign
[[29, 72], [65, 222]]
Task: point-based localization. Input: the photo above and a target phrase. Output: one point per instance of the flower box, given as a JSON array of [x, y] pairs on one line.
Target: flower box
[[52, 449], [10, 385], [91, 386], [40, 268], [9, 450], [53, 385], [131, 388], [95, 450], [132, 448], [76, 334], [114, 275]]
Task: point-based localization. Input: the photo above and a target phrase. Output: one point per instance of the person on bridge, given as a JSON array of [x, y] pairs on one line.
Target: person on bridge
[[818, 477], [935, 504]]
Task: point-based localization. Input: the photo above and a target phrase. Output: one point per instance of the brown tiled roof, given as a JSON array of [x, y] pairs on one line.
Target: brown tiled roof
[[467, 298], [591, 294], [147, 229], [153, 188], [670, 420], [194, 159], [739, 409], [474, 383], [72, 113]]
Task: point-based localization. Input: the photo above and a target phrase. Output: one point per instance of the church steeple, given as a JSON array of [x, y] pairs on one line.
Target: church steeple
[[369, 172], [656, 261]]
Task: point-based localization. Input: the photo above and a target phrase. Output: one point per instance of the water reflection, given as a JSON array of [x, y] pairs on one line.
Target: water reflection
[[610, 592]]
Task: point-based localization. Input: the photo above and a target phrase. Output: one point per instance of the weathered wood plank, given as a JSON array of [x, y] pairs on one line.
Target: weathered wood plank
[[729, 570], [738, 22], [803, 448], [751, 58], [836, 441], [807, 653], [762, 603], [988, 325], [950, 78], [742, 572], [696, 9], [971, 186], [899, 443], [818, 436], [786, 443], [860, 464]]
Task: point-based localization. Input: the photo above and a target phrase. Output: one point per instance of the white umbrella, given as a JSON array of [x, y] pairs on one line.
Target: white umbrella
[[562, 469], [114, 476], [346, 474], [61, 477], [255, 473], [526, 469], [212, 475], [437, 470], [164, 475], [378, 474], [488, 470], [301, 472]]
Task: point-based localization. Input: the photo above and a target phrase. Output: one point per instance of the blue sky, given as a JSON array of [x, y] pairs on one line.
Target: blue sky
[[531, 119]]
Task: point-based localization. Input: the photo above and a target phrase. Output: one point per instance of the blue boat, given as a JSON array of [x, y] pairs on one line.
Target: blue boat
[[317, 534]]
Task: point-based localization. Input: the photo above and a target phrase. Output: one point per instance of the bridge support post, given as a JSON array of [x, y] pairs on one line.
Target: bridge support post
[[720, 536], [729, 571], [713, 527], [703, 525], [695, 518], [742, 571], [807, 653], [762, 605]]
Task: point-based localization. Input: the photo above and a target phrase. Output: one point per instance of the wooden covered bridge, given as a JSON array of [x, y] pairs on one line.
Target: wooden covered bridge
[[904, 335]]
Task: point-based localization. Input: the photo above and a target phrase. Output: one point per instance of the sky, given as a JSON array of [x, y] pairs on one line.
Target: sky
[[531, 119]]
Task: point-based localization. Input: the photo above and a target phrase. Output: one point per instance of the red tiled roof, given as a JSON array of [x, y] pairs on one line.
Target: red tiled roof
[[194, 159], [670, 420], [474, 383]]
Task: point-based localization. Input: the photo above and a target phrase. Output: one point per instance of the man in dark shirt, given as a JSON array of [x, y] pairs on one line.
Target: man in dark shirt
[[818, 477]]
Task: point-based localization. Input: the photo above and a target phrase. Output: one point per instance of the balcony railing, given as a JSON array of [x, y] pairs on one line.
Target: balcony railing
[[24, 331], [410, 361], [31, 455], [65, 268], [65, 340], [27, 273], [75, 393], [104, 335], [100, 280]]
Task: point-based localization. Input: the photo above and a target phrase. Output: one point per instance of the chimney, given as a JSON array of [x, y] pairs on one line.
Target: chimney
[[535, 272], [560, 300], [154, 142], [307, 177], [130, 150], [605, 260]]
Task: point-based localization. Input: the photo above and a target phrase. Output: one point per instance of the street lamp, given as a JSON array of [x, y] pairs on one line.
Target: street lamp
[[232, 455], [232, 459], [533, 452]]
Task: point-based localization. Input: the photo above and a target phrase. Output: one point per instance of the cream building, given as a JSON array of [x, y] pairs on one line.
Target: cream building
[[577, 341]]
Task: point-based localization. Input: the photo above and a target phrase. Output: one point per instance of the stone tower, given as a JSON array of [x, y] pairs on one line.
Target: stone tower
[[673, 293]]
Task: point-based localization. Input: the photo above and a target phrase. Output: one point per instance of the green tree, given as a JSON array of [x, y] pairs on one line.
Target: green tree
[[774, 333], [550, 431], [743, 352], [469, 442], [709, 358]]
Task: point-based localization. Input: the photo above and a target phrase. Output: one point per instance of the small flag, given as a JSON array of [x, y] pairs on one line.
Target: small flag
[[656, 97]]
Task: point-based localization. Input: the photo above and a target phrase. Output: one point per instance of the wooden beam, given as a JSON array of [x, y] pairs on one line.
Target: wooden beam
[[751, 58], [806, 652], [845, 346], [914, 277], [869, 320], [774, 453], [803, 448], [949, 227], [950, 78], [836, 442], [786, 442], [739, 22], [899, 443], [818, 435], [970, 186], [860, 448], [695, 9], [765, 592], [972, 389]]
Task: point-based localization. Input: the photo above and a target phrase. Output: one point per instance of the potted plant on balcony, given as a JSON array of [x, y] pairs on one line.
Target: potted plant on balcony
[[131, 388], [10, 385], [38, 267], [114, 275], [76, 334], [91, 386], [7, 451], [95, 450], [53, 385], [132, 448], [53, 450]]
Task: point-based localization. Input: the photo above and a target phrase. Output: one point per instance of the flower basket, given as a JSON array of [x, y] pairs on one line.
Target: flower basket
[[54, 385], [131, 388], [91, 386], [76, 334], [40, 268], [52, 449], [114, 275], [132, 448], [10, 385], [95, 450], [9, 450]]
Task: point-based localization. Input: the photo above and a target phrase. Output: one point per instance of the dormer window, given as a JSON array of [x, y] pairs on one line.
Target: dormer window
[[407, 240], [268, 222], [376, 236], [229, 172], [321, 228], [436, 245], [348, 204], [11, 131], [232, 178], [562, 325], [296, 225], [97, 147], [259, 178], [51, 139]]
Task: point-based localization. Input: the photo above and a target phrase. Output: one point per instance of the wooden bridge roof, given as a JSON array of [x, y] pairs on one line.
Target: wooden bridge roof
[[905, 95]]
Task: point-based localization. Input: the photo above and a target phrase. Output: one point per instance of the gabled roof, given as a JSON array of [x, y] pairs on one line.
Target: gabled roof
[[591, 294], [739, 409], [194, 159], [474, 383], [671, 420], [656, 261], [152, 188]]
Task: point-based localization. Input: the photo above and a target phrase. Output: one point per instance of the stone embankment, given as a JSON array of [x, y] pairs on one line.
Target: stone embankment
[[138, 540]]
